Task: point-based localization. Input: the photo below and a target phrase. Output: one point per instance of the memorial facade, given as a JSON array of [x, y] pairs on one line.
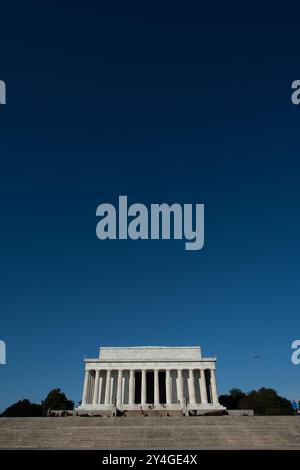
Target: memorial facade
[[150, 378]]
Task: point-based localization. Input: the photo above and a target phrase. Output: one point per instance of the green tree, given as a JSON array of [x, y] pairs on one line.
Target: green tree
[[23, 408], [57, 400], [264, 401], [231, 401], [272, 403], [251, 403]]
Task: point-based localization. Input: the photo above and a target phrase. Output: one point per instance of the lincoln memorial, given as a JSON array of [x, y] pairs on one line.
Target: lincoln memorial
[[150, 378]]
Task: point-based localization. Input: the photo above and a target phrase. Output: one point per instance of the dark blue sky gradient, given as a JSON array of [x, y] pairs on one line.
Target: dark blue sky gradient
[[164, 102]]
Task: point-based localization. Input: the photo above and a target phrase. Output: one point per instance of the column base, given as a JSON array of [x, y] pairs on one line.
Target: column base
[[149, 407]]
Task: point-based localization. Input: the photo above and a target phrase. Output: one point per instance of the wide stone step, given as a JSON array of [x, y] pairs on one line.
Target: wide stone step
[[151, 433]]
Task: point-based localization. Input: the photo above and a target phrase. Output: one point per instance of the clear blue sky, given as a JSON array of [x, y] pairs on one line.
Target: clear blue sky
[[163, 102]]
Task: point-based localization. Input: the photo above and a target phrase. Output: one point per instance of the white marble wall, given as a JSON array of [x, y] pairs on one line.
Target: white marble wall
[[152, 353]]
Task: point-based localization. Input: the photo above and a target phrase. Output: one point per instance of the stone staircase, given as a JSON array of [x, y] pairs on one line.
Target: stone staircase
[[199, 432]]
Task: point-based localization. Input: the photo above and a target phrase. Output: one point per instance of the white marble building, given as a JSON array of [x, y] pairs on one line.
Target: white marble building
[[151, 377]]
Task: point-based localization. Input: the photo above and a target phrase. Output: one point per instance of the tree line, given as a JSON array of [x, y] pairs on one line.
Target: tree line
[[264, 401], [55, 400]]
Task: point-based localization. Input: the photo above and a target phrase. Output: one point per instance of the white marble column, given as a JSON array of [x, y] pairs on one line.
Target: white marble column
[[85, 388], [156, 388], [100, 388], [131, 387], [180, 386], [89, 397], [112, 398], [123, 388], [203, 391], [168, 387], [119, 388], [143, 391], [96, 388], [191, 383], [107, 388], [213, 385]]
